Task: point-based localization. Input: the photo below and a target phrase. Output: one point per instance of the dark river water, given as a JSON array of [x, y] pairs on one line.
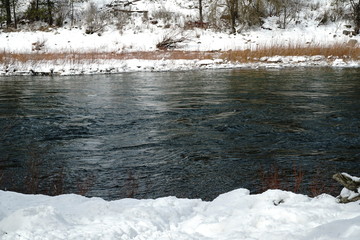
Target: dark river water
[[189, 134]]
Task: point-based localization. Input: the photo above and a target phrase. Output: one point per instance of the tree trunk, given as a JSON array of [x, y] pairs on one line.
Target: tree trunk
[[37, 18], [72, 12], [200, 11], [14, 13], [357, 17], [8, 12], [232, 6], [50, 17]]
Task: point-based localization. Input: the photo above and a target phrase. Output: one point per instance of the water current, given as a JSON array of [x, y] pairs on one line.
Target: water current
[[192, 134]]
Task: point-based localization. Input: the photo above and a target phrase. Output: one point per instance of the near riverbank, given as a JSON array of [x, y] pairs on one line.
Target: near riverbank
[[70, 63]]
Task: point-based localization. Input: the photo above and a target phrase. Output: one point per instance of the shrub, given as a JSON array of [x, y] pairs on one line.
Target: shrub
[[213, 15], [163, 14], [170, 41], [95, 21], [38, 45], [122, 18], [166, 16]]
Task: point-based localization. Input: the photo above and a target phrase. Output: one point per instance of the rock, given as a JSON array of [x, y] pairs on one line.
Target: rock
[[274, 59], [351, 191], [205, 62], [317, 58], [339, 62], [218, 61], [349, 33]]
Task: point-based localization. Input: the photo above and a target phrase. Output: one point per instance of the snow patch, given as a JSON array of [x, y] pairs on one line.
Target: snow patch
[[273, 215]]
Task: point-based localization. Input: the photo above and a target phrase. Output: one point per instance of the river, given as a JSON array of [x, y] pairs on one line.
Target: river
[[193, 134]]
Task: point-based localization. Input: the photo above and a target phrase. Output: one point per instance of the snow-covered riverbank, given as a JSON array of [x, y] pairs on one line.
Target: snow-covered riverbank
[[308, 29], [107, 66], [237, 215]]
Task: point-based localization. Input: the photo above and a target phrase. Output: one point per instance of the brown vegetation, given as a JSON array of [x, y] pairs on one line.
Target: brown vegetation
[[338, 50], [274, 177], [157, 55]]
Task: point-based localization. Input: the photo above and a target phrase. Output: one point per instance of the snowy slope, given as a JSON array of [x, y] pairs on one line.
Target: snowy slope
[[141, 35], [273, 215]]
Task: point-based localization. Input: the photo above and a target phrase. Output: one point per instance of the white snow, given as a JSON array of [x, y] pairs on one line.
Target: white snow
[[140, 35], [146, 38], [272, 215], [104, 66], [355, 179], [346, 193]]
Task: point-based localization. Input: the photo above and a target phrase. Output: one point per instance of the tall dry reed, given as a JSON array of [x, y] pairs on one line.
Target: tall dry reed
[[335, 50]]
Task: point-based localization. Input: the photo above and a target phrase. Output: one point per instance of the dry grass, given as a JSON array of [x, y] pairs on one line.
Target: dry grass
[[337, 50], [157, 55]]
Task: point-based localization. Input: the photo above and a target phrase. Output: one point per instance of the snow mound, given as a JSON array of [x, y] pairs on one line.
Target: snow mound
[[238, 215]]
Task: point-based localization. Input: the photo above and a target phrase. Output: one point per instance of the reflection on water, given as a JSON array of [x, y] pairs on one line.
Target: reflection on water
[[189, 134]]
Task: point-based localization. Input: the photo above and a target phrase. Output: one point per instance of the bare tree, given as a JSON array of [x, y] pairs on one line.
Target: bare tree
[[356, 14], [251, 12], [285, 9], [232, 6], [286, 13], [71, 4], [50, 6], [14, 2], [200, 12], [7, 7], [95, 20]]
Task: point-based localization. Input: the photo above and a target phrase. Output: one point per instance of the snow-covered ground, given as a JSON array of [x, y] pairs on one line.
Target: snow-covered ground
[[80, 67], [272, 215], [141, 34], [145, 39]]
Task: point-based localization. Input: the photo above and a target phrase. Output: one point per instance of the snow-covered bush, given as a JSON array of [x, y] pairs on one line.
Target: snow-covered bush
[[122, 19], [285, 10], [251, 13], [94, 20], [213, 15], [38, 45], [166, 17], [163, 14]]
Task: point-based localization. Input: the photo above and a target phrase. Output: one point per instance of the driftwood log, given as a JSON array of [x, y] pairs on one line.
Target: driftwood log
[[350, 184]]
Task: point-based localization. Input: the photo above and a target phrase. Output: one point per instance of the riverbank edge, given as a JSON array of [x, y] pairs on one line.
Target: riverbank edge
[[91, 66]]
